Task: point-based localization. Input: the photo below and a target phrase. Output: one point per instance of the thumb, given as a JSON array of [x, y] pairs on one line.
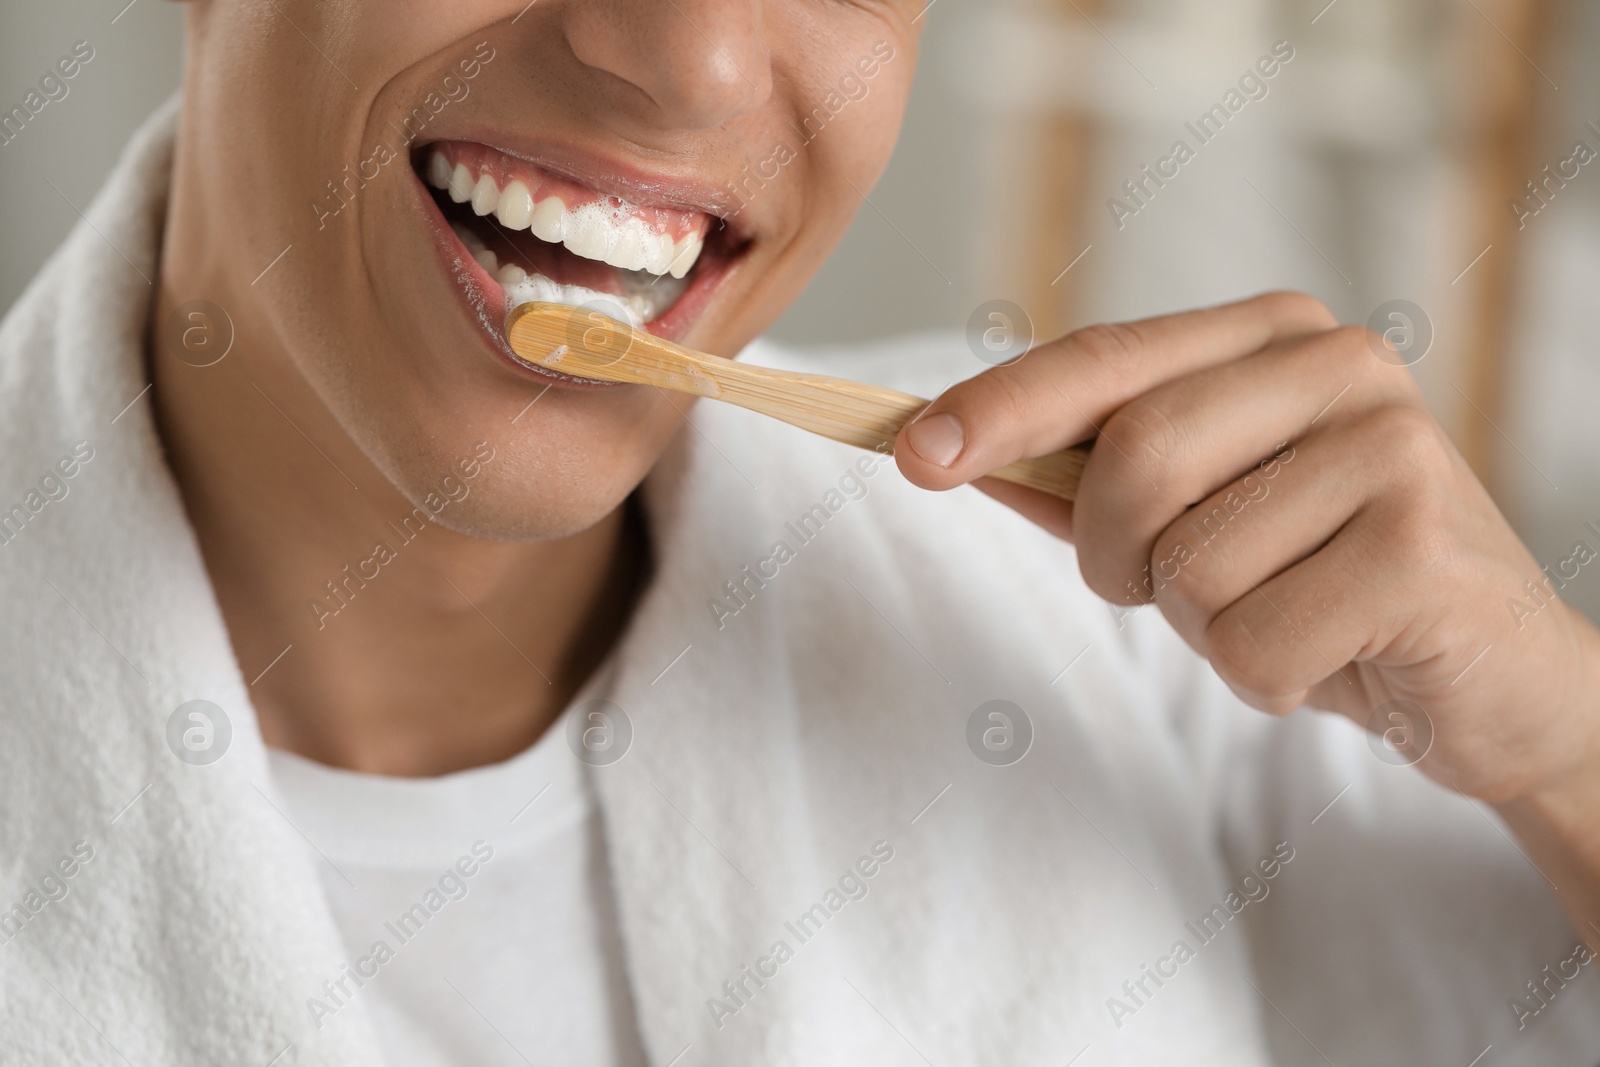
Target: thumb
[[984, 423]]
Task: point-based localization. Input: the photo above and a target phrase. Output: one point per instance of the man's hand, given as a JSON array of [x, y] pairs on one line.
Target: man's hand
[[1286, 499]]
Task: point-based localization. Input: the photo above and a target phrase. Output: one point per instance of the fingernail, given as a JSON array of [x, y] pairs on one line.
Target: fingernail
[[937, 438]]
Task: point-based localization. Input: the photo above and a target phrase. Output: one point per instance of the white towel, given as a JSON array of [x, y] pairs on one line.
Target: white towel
[[778, 754]]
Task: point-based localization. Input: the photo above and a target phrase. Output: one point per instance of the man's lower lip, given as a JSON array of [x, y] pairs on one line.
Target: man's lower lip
[[553, 378], [490, 311]]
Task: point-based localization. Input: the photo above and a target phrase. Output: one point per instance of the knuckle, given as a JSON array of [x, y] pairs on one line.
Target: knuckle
[[1352, 349], [1008, 394], [1111, 344], [1006, 415], [1300, 308], [1146, 439], [1414, 511], [1412, 443], [1352, 346]]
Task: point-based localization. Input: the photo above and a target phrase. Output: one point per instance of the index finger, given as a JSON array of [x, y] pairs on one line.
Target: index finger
[[1059, 393]]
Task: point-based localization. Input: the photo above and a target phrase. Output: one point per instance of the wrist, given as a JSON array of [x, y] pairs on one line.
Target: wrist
[[1574, 785], [1558, 821]]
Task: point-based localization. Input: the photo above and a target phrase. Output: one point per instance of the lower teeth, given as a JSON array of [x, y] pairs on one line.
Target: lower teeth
[[646, 297]]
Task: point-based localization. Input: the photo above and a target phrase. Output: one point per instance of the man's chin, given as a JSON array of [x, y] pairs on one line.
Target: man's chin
[[512, 498]]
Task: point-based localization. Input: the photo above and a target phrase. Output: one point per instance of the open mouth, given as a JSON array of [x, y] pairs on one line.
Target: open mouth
[[526, 233]]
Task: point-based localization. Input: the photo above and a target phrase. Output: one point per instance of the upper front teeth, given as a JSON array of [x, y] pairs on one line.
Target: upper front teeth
[[460, 183], [514, 209], [593, 231], [485, 195], [639, 301]]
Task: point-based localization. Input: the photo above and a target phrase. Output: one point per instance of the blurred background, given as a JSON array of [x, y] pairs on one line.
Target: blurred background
[[1431, 151]]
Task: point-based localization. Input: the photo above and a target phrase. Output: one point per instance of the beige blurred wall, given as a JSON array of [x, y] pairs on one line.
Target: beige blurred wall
[[73, 141]]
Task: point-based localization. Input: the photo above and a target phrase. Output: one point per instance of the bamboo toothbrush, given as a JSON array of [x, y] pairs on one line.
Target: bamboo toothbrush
[[589, 344]]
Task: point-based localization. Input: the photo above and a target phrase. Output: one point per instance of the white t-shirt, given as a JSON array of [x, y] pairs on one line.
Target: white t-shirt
[[475, 909]]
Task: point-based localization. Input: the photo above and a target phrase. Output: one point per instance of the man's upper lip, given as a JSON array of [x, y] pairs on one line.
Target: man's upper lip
[[611, 175]]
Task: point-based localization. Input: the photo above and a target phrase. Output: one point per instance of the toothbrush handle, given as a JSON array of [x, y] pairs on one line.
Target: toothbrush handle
[[867, 416]]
